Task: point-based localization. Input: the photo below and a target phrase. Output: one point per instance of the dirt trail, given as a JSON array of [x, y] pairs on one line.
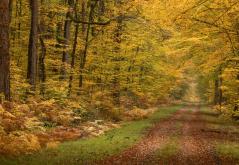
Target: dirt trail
[[195, 145]]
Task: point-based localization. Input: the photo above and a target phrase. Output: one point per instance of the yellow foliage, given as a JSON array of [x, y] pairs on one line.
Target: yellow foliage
[[34, 124], [19, 143], [1, 110], [64, 119], [52, 145], [138, 114]]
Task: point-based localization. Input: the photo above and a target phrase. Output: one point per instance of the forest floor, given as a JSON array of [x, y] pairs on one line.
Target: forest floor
[[172, 135]]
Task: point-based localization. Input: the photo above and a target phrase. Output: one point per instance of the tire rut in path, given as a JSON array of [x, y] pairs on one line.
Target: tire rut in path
[[195, 148]]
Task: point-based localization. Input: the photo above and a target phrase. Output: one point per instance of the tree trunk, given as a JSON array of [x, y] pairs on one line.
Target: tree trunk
[[83, 15], [216, 91], [4, 48], [73, 54], [66, 42], [220, 82], [218, 94], [32, 48], [74, 46], [84, 53], [67, 28]]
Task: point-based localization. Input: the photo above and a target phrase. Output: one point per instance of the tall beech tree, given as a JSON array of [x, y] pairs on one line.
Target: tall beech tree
[[33, 44], [4, 48]]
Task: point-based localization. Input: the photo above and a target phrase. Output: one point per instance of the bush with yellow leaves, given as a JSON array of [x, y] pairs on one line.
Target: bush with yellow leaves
[[14, 123], [138, 114], [10, 122], [19, 142], [104, 107]]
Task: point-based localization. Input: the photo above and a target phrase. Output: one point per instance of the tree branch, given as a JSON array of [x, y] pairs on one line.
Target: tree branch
[[212, 24], [89, 23], [123, 17]]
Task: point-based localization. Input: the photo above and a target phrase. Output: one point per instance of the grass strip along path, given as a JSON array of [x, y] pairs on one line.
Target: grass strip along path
[[87, 151]]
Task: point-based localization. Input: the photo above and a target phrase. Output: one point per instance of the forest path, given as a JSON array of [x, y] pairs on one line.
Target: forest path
[[195, 142]]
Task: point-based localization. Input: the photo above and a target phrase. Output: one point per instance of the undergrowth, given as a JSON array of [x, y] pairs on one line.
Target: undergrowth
[[92, 149]]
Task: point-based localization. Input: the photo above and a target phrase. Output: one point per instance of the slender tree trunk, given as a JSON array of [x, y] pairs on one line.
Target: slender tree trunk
[[141, 73], [66, 42], [4, 48], [83, 57], [74, 46], [67, 28], [33, 42], [84, 53], [83, 15], [216, 91], [73, 58], [220, 82], [73, 54]]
